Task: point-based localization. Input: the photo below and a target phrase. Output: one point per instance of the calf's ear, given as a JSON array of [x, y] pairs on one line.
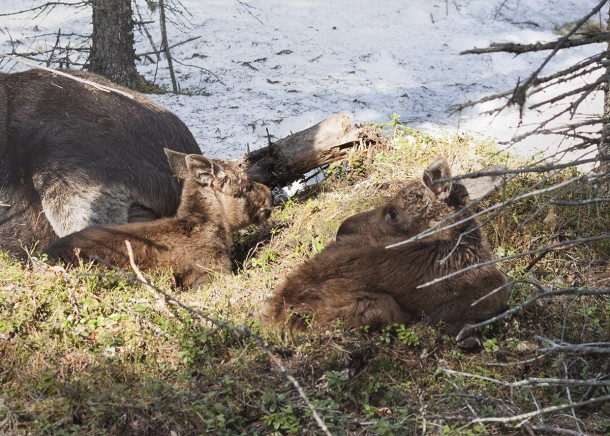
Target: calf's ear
[[205, 170], [479, 187], [437, 170], [177, 163]]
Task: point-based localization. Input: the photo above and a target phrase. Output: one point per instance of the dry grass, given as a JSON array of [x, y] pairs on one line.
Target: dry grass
[[87, 351]]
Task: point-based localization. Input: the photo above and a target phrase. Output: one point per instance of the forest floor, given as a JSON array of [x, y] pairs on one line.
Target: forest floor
[[90, 351]]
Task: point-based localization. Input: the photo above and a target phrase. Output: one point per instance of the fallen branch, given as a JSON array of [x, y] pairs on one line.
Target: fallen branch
[[575, 291], [45, 6], [579, 203], [531, 382], [140, 276], [557, 431], [562, 347], [525, 170], [527, 416], [558, 246], [510, 47], [440, 227], [519, 93]]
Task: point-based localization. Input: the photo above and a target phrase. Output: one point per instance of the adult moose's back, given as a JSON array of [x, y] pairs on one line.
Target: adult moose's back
[[73, 155]]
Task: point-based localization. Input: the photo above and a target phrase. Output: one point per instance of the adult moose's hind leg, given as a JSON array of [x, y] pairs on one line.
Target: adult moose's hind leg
[[71, 207], [23, 224]]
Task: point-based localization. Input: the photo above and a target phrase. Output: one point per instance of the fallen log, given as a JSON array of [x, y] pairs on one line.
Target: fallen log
[[290, 158]]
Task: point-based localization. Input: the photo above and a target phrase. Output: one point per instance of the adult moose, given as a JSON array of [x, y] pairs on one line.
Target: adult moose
[[360, 281], [217, 199], [73, 155]]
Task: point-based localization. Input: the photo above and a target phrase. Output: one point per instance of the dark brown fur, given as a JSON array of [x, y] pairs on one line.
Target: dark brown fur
[[217, 199], [73, 156], [361, 282]]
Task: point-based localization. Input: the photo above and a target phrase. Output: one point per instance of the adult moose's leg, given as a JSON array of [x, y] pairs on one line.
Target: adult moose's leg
[[70, 207], [23, 224]]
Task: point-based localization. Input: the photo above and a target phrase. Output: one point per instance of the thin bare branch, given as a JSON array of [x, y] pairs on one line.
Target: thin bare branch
[[557, 431], [544, 410], [44, 7], [579, 202], [519, 94], [572, 291], [162, 50], [211, 73], [531, 382], [510, 47], [440, 227], [247, 7], [563, 347], [560, 245], [523, 170], [586, 89], [243, 330], [140, 276]]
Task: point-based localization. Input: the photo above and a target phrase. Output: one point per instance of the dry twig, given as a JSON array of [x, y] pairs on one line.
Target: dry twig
[[242, 330]]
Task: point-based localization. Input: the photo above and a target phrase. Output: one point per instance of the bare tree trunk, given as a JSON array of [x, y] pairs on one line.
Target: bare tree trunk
[[112, 52], [604, 143], [165, 44]]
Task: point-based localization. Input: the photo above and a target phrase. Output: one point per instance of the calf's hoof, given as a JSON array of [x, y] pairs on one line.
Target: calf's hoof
[[468, 338]]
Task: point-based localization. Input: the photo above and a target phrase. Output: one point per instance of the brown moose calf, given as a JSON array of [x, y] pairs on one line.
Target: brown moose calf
[[360, 281], [217, 199]]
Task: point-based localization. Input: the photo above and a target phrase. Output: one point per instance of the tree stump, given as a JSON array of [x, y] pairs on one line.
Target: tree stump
[[289, 159]]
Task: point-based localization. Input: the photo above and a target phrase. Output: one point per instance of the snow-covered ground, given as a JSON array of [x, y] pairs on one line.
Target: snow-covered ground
[[285, 65]]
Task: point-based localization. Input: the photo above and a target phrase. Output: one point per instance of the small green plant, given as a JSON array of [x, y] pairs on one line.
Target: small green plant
[[280, 416], [386, 334], [283, 420], [264, 259], [491, 345], [335, 381], [405, 335]]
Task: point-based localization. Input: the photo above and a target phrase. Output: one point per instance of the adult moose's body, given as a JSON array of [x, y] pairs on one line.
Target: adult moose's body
[[73, 155], [361, 281]]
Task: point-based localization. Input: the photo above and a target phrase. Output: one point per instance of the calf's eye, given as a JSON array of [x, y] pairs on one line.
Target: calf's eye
[[392, 215]]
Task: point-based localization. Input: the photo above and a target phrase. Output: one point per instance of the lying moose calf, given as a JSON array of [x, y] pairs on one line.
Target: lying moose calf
[[361, 282], [217, 199]]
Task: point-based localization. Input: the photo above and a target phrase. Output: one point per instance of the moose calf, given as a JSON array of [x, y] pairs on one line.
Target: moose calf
[[360, 281], [217, 199]]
